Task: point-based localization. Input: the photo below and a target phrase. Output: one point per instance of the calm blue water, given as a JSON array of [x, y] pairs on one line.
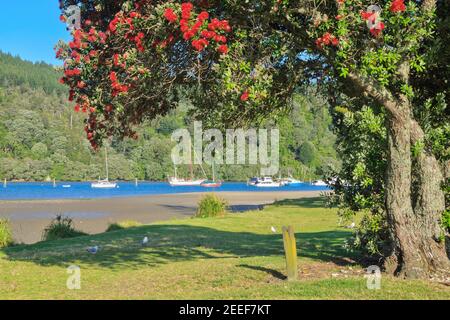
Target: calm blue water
[[46, 191]]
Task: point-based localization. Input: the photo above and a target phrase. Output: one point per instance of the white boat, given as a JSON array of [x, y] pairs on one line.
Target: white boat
[[319, 183], [267, 182], [177, 182], [292, 182], [66, 186], [105, 184], [253, 181]]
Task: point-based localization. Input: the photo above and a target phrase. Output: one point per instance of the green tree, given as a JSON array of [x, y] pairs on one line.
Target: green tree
[[283, 44], [307, 153], [39, 151]]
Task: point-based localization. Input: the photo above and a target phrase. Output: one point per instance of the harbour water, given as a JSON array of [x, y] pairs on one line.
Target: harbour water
[[83, 190]]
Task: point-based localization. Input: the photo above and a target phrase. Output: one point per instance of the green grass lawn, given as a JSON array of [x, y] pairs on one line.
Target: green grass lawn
[[236, 257]]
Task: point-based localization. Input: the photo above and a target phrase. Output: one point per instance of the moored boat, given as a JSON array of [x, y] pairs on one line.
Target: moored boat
[[175, 182], [267, 182], [211, 184], [105, 184], [319, 183]]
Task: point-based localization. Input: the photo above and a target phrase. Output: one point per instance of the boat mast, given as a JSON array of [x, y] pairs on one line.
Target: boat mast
[[106, 163]]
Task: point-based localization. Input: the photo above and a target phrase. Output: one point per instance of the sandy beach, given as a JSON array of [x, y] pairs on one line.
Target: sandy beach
[[29, 218]]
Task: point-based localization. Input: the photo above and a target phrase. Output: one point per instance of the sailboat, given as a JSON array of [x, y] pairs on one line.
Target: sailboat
[[177, 182], [212, 183], [105, 184]]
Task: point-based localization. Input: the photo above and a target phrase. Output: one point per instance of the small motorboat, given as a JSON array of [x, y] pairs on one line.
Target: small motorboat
[[67, 186]]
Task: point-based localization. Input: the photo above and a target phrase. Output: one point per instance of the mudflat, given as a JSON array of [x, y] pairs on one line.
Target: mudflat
[[29, 218]]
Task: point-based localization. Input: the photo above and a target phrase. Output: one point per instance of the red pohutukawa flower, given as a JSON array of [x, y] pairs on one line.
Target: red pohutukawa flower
[[378, 29], [170, 15], [326, 40], [398, 6], [368, 16], [198, 30], [101, 66], [245, 96]]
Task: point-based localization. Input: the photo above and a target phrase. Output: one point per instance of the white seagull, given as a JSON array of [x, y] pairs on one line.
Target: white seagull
[[273, 230], [145, 241]]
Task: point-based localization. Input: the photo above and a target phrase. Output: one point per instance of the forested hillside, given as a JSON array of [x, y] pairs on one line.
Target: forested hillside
[[42, 138]]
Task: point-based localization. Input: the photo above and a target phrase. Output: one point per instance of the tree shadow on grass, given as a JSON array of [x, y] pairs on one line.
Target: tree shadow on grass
[[310, 203], [174, 243]]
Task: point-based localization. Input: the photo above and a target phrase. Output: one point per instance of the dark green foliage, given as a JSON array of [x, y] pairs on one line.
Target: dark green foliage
[[16, 72], [446, 220], [123, 225], [61, 228], [307, 153]]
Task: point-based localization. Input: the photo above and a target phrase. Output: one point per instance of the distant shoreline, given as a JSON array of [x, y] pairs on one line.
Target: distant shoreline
[[29, 218]]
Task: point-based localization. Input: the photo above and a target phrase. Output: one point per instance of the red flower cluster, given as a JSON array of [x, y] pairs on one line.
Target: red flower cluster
[[71, 73], [170, 15], [245, 96], [368, 16], [138, 41], [128, 23], [371, 17], [326, 40], [376, 31], [198, 31], [117, 87], [398, 6]]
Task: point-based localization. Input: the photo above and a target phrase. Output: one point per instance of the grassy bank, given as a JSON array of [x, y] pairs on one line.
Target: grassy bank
[[235, 257]]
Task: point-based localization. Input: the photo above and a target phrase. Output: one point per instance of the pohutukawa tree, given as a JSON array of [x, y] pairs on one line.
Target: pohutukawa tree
[[240, 61]]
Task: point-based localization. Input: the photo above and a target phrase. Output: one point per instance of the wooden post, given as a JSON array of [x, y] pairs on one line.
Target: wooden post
[[290, 248]]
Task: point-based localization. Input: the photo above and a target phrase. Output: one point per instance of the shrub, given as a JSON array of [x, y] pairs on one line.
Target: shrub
[[211, 206], [61, 228], [5, 234], [123, 225]]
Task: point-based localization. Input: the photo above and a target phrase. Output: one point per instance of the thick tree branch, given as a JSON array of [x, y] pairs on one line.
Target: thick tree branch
[[376, 92]]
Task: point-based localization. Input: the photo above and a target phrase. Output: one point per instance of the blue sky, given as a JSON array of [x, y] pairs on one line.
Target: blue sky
[[31, 28]]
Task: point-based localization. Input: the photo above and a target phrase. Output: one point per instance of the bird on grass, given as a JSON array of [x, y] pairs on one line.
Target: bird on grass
[[145, 241], [273, 230], [93, 250]]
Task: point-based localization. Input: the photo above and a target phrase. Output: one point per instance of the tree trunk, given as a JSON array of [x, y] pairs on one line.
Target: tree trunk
[[429, 204], [414, 224]]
